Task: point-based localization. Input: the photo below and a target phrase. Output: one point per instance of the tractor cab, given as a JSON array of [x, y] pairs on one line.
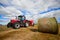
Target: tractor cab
[[21, 18]]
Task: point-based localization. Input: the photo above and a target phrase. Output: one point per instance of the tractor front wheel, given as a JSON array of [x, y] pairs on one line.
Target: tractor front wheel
[[16, 25], [9, 25], [26, 24]]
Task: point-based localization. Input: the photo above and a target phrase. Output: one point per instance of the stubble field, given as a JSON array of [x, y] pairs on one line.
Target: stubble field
[[29, 33]]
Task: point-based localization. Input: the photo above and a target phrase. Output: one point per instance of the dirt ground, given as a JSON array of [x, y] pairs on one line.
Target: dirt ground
[[29, 33]]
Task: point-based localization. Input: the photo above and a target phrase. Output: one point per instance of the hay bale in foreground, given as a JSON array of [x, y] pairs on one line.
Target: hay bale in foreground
[[48, 25]]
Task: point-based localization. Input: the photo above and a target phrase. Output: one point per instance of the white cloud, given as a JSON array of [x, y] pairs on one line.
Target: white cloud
[[10, 11], [14, 11], [5, 2], [33, 6]]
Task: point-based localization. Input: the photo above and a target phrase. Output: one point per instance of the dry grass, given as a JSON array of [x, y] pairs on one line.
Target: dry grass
[[59, 28], [4, 28], [30, 33], [47, 36]]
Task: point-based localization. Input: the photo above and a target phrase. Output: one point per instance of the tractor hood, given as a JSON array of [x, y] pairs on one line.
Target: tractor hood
[[14, 20]]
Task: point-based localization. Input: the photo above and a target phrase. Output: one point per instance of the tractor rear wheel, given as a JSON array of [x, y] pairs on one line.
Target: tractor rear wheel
[[9, 25], [16, 25]]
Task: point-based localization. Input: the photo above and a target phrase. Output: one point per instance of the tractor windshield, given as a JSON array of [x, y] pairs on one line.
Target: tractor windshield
[[21, 18]]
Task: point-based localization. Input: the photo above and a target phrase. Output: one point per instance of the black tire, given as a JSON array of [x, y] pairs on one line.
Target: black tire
[[26, 24], [16, 25], [9, 25]]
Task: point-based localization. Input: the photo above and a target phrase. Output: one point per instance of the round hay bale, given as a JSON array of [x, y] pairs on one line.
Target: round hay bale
[[48, 25]]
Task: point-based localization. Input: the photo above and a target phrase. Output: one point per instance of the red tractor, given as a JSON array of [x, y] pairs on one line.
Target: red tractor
[[20, 21]]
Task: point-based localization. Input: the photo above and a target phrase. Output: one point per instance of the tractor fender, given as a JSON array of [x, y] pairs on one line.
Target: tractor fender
[[31, 22]]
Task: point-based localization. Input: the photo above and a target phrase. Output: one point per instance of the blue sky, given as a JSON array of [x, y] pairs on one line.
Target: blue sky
[[32, 9]]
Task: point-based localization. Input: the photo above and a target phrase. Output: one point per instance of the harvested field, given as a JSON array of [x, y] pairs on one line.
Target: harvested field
[[4, 28], [29, 33]]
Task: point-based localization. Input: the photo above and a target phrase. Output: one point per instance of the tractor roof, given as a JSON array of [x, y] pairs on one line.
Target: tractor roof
[[21, 16]]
